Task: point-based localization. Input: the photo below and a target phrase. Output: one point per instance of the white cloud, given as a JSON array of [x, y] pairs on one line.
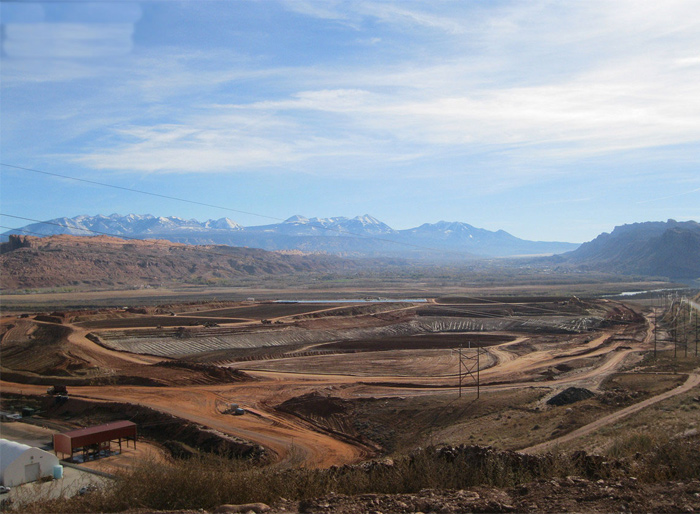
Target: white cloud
[[541, 82], [403, 14], [67, 40]]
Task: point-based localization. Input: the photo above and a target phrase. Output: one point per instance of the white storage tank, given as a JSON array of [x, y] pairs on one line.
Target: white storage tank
[[20, 463]]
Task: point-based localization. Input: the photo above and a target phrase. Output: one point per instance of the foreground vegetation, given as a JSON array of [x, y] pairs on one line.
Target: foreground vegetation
[[208, 481]]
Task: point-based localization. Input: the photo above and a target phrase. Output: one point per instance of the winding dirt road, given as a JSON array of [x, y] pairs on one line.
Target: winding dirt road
[[692, 381], [296, 442]]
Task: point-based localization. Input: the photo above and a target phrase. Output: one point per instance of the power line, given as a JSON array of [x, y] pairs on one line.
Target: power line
[[214, 206], [156, 242], [132, 190], [23, 231], [208, 250]]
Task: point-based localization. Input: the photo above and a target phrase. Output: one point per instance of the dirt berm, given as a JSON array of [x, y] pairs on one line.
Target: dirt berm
[[181, 437]]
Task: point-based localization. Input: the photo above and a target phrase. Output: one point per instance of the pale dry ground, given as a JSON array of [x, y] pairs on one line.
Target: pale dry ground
[[77, 337], [391, 365], [124, 460], [39, 436], [26, 434], [411, 289], [692, 382]]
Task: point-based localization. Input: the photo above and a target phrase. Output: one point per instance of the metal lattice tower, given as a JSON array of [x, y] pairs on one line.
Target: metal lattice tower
[[469, 367]]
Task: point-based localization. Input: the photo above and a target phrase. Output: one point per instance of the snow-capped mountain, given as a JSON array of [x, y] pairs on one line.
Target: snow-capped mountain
[[339, 226], [139, 226], [456, 236], [358, 236]]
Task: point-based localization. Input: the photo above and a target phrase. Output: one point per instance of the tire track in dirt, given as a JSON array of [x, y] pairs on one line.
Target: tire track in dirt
[[293, 443], [692, 381], [298, 444]]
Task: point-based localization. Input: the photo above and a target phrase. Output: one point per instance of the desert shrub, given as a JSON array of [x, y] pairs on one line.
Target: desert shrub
[[674, 459], [631, 444], [656, 457], [204, 482]]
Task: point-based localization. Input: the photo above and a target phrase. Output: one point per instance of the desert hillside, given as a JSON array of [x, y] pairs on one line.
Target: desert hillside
[[62, 261], [669, 249]]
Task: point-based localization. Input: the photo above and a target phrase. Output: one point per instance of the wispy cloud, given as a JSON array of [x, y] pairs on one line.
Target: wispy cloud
[[667, 197], [540, 82]]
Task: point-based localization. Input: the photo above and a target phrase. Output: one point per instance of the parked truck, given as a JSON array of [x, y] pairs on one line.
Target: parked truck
[[57, 389]]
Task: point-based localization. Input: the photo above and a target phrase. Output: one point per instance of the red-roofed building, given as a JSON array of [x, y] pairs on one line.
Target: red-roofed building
[[93, 440]]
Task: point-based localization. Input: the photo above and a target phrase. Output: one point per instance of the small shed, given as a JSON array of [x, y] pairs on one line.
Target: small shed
[[20, 463], [93, 440]]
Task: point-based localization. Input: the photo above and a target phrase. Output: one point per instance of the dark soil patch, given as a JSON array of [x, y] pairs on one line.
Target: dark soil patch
[[570, 395], [314, 404], [355, 310], [154, 321], [207, 373], [491, 310], [417, 342], [571, 494], [269, 310]]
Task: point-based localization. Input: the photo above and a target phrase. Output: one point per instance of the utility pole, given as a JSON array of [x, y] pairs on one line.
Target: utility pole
[[685, 327], [469, 367], [478, 368], [674, 319], [460, 370], [696, 333], [655, 327]]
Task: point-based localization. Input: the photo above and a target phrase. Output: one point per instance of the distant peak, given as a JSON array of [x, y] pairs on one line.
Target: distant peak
[[367, 220], [297, 218], [223, 223]]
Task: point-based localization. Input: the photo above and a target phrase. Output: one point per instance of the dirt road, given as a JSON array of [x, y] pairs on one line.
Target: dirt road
[[692, 381], [297, 442], [294, 442]]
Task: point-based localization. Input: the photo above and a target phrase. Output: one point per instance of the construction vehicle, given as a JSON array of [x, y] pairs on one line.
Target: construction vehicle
[[57, 389]]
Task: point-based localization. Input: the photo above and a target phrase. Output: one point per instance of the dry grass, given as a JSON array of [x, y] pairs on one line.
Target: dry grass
[[206, 482]]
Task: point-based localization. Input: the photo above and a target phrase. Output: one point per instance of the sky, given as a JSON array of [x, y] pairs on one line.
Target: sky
[[551, 120]]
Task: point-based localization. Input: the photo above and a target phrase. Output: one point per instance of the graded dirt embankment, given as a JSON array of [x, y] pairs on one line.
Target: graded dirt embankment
[[294, 442], [527, 361]]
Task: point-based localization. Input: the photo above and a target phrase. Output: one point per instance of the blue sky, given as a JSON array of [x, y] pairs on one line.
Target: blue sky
[[550, 120]]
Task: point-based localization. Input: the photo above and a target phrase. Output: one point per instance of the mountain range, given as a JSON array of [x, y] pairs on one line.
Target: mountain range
[[660, 249], [361, 236]]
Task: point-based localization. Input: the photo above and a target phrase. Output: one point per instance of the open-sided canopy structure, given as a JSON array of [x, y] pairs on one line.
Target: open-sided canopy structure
[[92, 440]]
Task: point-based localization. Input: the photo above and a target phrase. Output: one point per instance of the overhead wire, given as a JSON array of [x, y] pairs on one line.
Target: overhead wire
[[207, 249], [204, 204]]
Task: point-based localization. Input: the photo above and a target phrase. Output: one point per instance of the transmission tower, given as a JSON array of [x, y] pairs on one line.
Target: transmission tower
[[686, 324], [696, 332], [469, 367], [655, 329]]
